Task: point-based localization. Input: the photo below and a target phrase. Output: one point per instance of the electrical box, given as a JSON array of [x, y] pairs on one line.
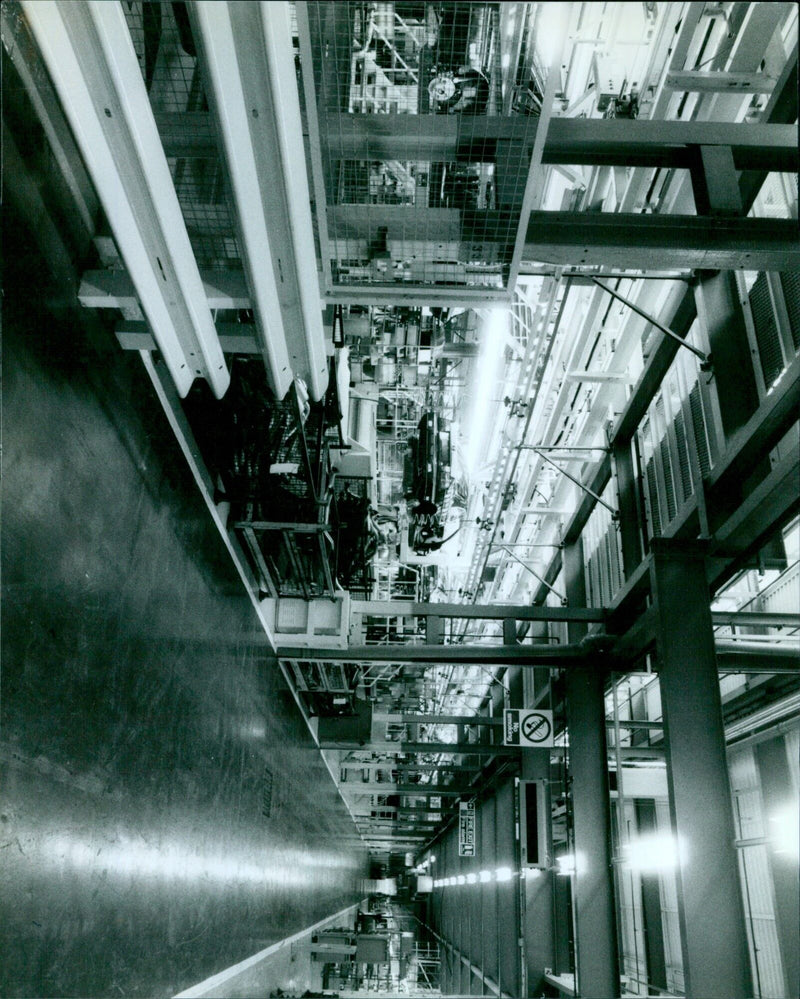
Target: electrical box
[[372, 949], [534, 823]]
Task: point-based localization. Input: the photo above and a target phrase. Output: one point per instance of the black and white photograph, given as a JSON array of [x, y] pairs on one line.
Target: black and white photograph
[[399, 499]]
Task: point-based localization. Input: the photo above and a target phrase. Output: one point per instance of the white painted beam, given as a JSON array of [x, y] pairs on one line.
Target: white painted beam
[[90, 56], [246, 53]]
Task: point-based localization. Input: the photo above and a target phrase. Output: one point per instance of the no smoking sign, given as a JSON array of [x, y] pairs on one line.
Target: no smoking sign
[[527, 728]]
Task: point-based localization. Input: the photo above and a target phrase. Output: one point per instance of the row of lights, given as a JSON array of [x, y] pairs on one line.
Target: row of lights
[[654, 854], [422, 867], [481, 877]]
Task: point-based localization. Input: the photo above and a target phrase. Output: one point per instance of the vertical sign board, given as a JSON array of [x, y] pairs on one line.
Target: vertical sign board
[[522, 727], [466, 829]]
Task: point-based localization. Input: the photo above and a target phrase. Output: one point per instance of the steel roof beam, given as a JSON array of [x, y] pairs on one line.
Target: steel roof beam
[[570, 141], [488, 612], [659, 241]]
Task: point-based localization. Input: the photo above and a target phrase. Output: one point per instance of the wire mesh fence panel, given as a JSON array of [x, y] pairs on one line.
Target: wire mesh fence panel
[[424, 160], [790, 284], [164, 45]]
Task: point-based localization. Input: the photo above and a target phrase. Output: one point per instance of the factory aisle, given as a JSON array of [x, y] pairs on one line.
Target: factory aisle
[[164, 813]]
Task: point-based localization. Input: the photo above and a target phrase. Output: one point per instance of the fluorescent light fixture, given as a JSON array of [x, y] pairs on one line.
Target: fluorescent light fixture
[[652, 854], [503, 874], [784, 830], [461, 879], [432, 859], [551, 29], [472, 878], [567, 864], [485, 876], [493, 334]]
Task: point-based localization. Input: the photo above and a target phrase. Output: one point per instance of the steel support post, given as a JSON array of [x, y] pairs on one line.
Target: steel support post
[[715, 182], [719, 309], [780, 802], [538, 928], [596, 957], [562, 903], [711, 916]]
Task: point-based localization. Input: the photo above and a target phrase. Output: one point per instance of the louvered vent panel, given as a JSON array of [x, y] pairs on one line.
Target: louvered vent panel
[[652, 489], [698, 421], [767, 337], [790, 282], [669, 486], [683, 457]]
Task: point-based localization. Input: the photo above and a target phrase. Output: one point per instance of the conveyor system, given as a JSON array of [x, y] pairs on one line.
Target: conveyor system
[[246, 54], [90, 56]]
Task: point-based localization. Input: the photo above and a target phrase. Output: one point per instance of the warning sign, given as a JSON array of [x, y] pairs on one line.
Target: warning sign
[[527, 728], [466, 829]]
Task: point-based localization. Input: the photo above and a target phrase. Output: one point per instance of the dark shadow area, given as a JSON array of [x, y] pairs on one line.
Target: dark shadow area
[[143, 716]]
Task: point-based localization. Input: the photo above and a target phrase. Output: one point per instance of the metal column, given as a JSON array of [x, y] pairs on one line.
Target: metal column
[[596, 955], [779, 796], [712, 926], [719, 309], [538, 929]]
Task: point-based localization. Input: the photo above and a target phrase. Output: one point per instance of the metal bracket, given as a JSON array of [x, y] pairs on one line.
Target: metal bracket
[[706, 363], [578, 482], [533, 572]]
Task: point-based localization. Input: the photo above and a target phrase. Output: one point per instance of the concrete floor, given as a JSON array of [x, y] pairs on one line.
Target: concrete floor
[[142, 713]]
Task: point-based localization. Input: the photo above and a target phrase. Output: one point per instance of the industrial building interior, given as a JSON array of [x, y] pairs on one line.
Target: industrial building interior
[[401, 499]]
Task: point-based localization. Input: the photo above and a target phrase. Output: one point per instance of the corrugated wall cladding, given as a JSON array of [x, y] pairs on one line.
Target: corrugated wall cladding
[[756, 875]]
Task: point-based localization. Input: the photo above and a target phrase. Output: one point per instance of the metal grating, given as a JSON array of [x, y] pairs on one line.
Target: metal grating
[[699, 424], [162, 39], [767, 336], [425, 160], [669, 487], [790, 283], [652, 486], [266, 793], [685, 475]]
